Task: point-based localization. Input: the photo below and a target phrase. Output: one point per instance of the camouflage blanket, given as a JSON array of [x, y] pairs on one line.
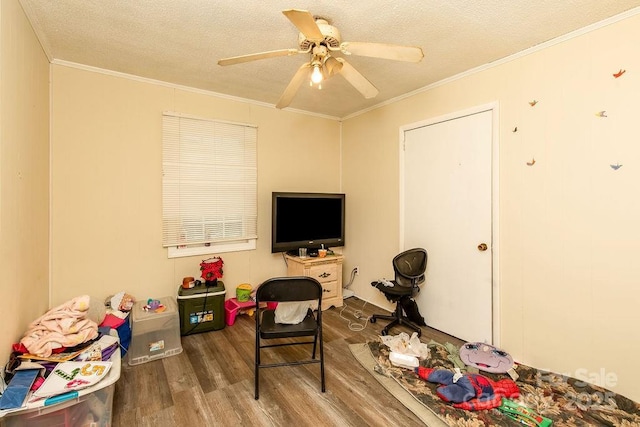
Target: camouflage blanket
[[567, 401]]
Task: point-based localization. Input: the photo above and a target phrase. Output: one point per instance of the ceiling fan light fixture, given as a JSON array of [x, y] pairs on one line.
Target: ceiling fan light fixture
[[316, 74], [318, 38]]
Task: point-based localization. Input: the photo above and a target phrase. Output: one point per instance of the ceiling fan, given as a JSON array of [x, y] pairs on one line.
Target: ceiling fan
[[319, 40]]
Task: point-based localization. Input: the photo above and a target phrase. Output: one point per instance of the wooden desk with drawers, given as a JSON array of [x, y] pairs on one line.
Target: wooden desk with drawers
[[327, 271]]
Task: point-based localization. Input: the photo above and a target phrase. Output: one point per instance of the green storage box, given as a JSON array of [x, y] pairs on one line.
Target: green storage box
[[201, 308]]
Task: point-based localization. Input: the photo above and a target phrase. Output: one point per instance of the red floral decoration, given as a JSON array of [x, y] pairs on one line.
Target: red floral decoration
[[211, 268]]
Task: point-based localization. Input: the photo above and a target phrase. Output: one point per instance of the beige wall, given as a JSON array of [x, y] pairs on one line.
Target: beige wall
[[24, 176], [106, 182], [569, 225]]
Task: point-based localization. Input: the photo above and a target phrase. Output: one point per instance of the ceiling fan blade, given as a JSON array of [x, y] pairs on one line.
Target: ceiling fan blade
[[256, 56], [304, 21], [294, 85], [333, 66], [356, 79], [383, 50]]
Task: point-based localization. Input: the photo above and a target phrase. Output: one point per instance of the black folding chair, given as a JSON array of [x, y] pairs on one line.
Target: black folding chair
[[289, 289]]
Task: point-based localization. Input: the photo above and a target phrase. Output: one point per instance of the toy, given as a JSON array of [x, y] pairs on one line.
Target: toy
[[211, 269], [473, 392], [486, 357], [154, 305], [523, 415], [121, 301]]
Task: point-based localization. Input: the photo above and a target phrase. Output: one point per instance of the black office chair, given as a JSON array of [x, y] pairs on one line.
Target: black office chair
[[288, 289], [409, 267]]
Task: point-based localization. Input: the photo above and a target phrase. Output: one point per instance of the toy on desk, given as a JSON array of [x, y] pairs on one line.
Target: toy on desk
[[154, 305]]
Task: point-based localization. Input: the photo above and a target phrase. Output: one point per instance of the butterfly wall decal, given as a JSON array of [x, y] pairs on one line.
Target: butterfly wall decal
[[619, 73]]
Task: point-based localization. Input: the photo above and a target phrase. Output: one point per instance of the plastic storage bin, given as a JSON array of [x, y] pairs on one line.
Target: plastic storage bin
[[154, 335], [201, 308], [92, 407]]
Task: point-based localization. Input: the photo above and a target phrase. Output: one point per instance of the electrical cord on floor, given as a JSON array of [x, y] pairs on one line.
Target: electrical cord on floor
[[354, 326], [351, 279]]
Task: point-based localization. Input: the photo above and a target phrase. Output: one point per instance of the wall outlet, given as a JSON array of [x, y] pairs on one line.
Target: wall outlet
[[357, 270]]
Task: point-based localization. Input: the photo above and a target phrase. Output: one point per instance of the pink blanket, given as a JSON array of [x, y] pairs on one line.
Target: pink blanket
[[64, 326]]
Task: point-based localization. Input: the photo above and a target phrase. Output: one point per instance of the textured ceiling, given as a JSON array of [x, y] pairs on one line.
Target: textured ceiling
[[180, 41]]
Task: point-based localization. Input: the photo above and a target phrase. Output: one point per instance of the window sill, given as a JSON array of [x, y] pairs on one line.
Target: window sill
[[215, 248]]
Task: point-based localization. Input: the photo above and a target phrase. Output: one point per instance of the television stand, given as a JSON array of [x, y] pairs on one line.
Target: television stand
[[327, 271]]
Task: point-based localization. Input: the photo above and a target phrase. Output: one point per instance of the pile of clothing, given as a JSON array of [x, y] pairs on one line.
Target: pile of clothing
[[68, 325], [73, 331]]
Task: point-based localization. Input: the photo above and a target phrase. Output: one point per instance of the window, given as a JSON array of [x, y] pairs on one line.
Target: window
[[209, 186]]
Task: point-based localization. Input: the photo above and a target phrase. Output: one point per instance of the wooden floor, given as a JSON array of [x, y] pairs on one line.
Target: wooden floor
[[211, 382]]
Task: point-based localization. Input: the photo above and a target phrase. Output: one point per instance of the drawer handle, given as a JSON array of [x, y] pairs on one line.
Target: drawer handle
[[324, 275], [326, 290]]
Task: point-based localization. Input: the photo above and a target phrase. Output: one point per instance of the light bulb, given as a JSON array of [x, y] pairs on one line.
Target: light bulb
[[316, 75]]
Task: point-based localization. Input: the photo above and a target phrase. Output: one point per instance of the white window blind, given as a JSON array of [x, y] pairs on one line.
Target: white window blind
[[209, 183]]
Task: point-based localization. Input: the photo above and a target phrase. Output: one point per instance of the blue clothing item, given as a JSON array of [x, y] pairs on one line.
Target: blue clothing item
[[18, 388], [468, 387], [461, 391]]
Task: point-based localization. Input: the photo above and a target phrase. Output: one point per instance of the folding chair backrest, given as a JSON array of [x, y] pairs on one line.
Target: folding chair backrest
[[285, 289]]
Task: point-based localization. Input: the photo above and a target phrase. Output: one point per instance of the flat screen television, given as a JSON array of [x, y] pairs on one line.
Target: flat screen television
[[306, 220]]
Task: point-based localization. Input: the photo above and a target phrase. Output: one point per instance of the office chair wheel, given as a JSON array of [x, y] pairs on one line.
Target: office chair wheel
[[372, 319], [384, 332]]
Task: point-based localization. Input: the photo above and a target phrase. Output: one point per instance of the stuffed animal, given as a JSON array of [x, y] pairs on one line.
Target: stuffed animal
[[473, 392]]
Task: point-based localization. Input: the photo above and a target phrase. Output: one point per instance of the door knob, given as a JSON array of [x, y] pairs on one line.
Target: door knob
[[482, 247]]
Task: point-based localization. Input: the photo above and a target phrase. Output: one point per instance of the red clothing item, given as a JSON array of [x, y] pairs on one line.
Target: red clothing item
[[472, 392], [20, 348], [502, 388]]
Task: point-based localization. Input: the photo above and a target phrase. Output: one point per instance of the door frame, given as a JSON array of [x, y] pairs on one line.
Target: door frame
[[495, 197]]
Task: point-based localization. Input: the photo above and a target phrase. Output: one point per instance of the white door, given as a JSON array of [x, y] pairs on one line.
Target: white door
[[447, 204]]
